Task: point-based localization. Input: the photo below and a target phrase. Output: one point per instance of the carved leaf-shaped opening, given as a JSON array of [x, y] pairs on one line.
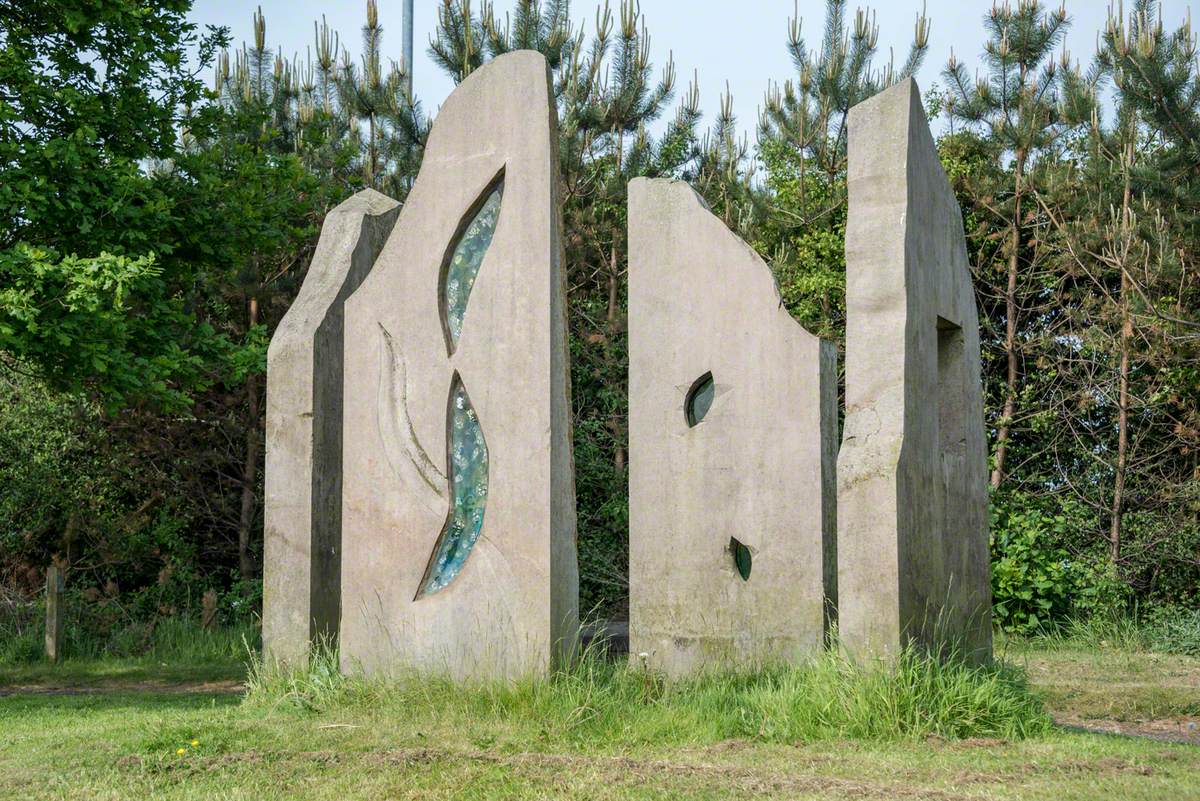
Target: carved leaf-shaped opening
[[699, 399], [464, 256], [742, 558], [467, 472]]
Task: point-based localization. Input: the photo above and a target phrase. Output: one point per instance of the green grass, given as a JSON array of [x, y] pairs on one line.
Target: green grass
[[600, 731], [174, 650], [598, 701]]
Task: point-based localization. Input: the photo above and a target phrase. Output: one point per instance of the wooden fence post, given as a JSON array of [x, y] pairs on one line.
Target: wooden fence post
[[54, 614], [208, 614]]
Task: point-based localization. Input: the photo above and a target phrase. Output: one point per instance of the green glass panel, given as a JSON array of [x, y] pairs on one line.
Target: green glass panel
[[468, 471], [464, 262], [741, 558], [700, 399]]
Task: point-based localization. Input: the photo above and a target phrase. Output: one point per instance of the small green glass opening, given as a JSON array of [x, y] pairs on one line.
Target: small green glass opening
[[741, 558], [700, 399]]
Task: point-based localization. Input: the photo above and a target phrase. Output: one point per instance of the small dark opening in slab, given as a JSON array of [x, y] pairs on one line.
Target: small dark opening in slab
[[700, 399], [742, 558]]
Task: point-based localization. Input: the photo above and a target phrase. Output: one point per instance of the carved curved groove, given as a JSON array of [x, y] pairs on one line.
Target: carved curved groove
[[464, 256], [400, 444], [467, 466]]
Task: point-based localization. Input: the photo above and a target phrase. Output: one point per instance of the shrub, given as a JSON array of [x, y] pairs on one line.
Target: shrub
[[1036, 580], [1031, 570]]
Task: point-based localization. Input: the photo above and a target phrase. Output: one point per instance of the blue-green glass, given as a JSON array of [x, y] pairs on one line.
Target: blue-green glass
[[468, 465], [465, 261], [700, 400]]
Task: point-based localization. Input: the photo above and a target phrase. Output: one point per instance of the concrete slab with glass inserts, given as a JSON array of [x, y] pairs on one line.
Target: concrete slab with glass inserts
[[459, 506], [732, 448]]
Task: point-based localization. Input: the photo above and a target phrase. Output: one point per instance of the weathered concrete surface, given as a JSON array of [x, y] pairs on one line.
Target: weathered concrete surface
[[514, 607], [912, 484], [759, 467], [302, 569]]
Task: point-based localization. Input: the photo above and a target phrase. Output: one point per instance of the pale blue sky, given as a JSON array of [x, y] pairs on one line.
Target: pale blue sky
[[742, 42]]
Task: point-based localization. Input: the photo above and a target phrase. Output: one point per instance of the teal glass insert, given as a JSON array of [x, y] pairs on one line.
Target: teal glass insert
[[463, 264], [467, 461], [700, 398], [741, 558]]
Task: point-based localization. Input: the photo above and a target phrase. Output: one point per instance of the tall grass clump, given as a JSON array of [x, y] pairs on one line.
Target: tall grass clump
[[175, 641], [1174, 630], [599, 702], [1161, 628]]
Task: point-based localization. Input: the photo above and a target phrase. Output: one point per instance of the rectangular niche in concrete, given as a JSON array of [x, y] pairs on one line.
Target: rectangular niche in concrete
[[303, 513], [732, 448], [458, 496], [913, 561]]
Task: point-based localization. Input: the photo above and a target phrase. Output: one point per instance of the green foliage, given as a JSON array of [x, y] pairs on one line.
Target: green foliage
[[809, 260], [90, 89], [1156, 74], [1159, 554], [1037, 581], [1031, 570], [127, 538], [108, 323], [811, 113], [157, 233]]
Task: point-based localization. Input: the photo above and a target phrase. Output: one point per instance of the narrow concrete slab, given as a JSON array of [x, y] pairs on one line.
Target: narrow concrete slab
[[732, 443], [912, 483], [303, 527], [458, 499]]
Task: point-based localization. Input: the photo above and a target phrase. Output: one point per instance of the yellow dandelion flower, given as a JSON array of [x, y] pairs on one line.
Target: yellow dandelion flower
[[181, 752], [195, 743]]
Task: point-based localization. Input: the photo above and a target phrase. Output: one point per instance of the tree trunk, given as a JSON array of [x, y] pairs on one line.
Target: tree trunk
[[1003, 431], [1114, 534], [614, 422], [249, 465], [371, 151]]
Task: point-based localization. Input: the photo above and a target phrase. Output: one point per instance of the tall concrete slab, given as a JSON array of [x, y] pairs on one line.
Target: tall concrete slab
[[913, 561], [732, 448], [302, 560], [458, 496]]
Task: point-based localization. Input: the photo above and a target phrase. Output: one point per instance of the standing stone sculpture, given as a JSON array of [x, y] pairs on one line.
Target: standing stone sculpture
[[458, 493], [732, 448], [913, 564], [303, 526]]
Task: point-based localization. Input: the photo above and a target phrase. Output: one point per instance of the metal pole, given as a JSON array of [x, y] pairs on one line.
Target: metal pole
[[408, 43]]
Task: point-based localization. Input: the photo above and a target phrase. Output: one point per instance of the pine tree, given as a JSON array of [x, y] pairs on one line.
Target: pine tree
[[811, 114], [799, 220], [1016, 104], [1142, 233]]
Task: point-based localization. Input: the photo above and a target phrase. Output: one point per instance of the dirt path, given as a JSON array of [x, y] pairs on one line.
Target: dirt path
[[1167, 730], [226, 687]]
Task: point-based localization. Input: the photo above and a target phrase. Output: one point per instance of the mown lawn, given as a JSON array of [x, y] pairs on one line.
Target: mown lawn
[[118, 735]]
